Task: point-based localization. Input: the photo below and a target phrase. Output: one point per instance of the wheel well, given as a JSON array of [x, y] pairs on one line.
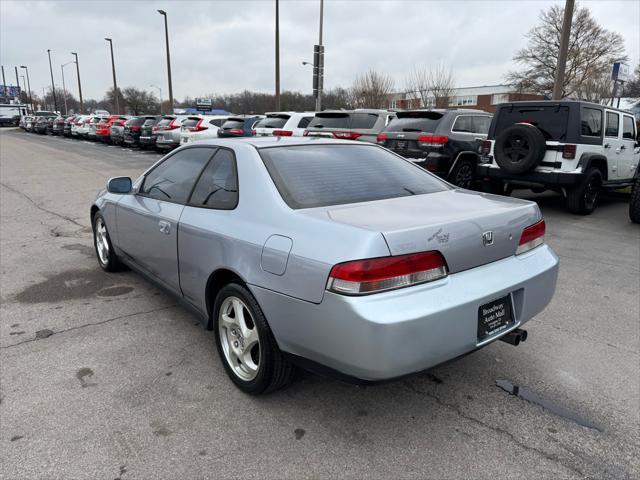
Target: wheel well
[[600, 164], [216, 281], [94, 209], [473, 157]]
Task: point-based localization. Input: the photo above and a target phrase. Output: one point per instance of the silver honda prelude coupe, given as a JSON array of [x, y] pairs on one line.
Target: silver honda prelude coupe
[[338, 256]]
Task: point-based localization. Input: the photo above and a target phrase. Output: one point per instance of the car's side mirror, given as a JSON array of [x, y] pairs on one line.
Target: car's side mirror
[[119, 185]]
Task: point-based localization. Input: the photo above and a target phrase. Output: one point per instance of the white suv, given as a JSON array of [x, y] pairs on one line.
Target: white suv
[[200, 127], [577, 148], [283, 124]]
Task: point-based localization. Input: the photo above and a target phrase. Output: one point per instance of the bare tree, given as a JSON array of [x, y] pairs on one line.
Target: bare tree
[[371, 90], [592, 51], [434, 85]]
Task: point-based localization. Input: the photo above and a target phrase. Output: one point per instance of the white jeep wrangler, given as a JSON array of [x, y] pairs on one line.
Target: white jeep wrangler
[[577, 148]]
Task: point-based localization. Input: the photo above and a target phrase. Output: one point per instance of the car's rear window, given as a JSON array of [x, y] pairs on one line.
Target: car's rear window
[[149, 122], [165, 121], [233, 124], [322, 175], [415, 122], [136, 121], [190, 122], [348, 120], [551, 120], [273, 121]]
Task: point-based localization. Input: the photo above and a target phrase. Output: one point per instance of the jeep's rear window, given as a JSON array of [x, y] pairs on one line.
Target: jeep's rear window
[[551, 120], [415, 122], [321, 175]]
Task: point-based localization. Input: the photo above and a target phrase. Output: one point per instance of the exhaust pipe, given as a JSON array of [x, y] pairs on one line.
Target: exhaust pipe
[[514, 337]]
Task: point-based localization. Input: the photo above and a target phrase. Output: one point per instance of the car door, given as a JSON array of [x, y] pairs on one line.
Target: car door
[[147, 221], [612, 143], [628, 157]]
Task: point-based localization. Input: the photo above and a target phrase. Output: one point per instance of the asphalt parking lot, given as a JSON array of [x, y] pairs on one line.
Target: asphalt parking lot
[[104, 376]]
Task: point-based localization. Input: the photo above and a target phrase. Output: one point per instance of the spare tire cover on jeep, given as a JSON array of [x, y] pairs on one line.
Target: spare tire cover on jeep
[[519, 148]]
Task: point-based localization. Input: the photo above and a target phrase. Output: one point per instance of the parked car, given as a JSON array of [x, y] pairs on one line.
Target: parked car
[[93, 125], [578, 148], [57, 127], [68, 123], [103, 128], [444, 142], [239, 126], [201, 127], [82, 126], [116, 130], [148, 132], [29, 122], [131, 132], [360, 124], [43, 125], [168, 132], [430, 272], [283, 124]]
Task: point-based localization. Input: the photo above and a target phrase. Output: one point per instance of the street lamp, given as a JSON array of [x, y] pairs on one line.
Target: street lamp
[[79, 86], [115, 85], [29, 87], [64, 87], [166, 35], [53, 86], [277, 55], [160, 94]]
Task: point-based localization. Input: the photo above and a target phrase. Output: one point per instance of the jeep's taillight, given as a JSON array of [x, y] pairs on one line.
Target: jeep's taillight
[[346, 135], [569, 151], [485, 147], [382, 138], [362, 277], [531, 237], [432, 140]]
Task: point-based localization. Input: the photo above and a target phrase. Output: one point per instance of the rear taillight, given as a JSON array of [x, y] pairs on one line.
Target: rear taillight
[[569, 152], [485, 147], [432, 140], [198, 127], [531, 237], [282, 133], [237, 131], [135, 128], [346, 135], [154, 130], [253, 132], [374, 275], [382, 137], [305, 133], [172, 125]]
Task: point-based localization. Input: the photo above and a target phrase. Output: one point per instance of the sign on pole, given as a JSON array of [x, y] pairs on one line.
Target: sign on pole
[[620, 72], [204, 104]]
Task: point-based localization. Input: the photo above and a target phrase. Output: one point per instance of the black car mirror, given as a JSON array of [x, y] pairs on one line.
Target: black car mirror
[[119, 185]]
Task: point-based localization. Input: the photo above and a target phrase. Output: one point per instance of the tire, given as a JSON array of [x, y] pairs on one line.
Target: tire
[[256, 369], [634, 202], [463, 174], [583, 199], [107, 259], [519, 148]]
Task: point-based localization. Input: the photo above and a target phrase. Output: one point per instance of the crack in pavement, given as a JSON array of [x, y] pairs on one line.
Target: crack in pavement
[[552, 457], [40, 207], [102, 322]]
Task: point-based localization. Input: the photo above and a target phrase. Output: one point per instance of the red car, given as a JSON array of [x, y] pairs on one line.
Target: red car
[[103, 128]]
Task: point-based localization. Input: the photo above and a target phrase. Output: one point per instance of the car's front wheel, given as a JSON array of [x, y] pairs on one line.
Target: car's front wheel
[[245, 343], [107, 258], [583, 199], [463, 174]]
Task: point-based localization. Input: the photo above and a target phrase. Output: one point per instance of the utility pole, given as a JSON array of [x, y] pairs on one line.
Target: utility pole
[[53, 86], [64, 88], [29, 87], [564, 48], [318, 64], [166, 35], [115, 85], [4, 84], [160, 93], [17, 81], [24, 90], [277, 55], [79, 86]]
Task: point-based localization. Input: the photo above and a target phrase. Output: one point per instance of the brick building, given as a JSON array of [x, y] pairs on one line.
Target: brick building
[[484, 98]]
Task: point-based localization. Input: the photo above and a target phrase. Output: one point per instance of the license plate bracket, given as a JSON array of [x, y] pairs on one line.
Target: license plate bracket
[[495, 317]]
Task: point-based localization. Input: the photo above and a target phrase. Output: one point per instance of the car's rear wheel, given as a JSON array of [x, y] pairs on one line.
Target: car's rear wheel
[[583, 199], [463, 174], [246, 345], [107, 258], [634, 202]]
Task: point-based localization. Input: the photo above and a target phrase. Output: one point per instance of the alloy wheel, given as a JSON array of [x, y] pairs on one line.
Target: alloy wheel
[[102, 244], [239, 338]]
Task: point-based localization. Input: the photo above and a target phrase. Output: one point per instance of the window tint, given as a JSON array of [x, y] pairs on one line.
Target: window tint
[[551, 121], [233, 124], [415, 122], [591, 122], [612, 129], [363, 120], [218, 184], [136, 121], [321, 175], [463, 124], [330, 120], [149, 122], [628, 128], [304, 122], [165, 121], [173, 179], [273, 122], [190, 122]]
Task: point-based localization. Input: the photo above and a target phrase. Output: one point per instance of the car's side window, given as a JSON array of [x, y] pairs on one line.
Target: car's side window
[[591, 122], [481, 124], [217, 187], [304, 121], [613, 125], [463, 124], [173, 179], [628, 128]]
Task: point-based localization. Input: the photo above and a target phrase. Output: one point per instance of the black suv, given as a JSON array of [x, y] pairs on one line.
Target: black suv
[[132, 128], [573, 147], [148, 131], [444, 142]]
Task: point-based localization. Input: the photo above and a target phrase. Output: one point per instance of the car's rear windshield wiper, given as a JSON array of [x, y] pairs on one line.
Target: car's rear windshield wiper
[[411, 130]]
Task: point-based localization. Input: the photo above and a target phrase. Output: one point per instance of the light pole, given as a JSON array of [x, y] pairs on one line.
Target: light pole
[[24, 86], [160, 93], [166, 35], [29, 87], [320, 65], [564, 48], [116, 102], [79, 86], [277, 55], [64, 88], [53, 86]]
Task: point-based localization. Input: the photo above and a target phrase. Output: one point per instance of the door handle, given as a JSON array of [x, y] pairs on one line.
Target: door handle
[[622, 147], [165, 227], [606, 145]]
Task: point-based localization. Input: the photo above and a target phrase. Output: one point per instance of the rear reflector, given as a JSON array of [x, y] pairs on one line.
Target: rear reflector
[[382, 137], [485, 147], [569, 151], [531, 237], [282, 133], [362, 277], [432, 140], [347, 135]]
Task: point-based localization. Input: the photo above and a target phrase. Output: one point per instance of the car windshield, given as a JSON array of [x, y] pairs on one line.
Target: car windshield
[[551, 120], [275, 121], [321, 175], [415, 122]]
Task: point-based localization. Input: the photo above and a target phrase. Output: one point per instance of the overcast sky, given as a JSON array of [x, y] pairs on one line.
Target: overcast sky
[[228, 46]]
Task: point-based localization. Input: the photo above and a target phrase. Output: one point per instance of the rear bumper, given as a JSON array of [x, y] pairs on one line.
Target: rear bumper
[[543, 178], [396, 333], [147, 140]]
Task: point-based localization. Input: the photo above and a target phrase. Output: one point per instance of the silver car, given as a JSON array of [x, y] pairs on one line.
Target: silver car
[[337, 256]]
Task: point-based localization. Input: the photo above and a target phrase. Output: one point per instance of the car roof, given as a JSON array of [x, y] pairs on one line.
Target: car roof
[[266, 142], [567, 102]]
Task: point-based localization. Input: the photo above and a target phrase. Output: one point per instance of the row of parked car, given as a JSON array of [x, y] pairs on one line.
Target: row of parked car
[[576, 148]]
